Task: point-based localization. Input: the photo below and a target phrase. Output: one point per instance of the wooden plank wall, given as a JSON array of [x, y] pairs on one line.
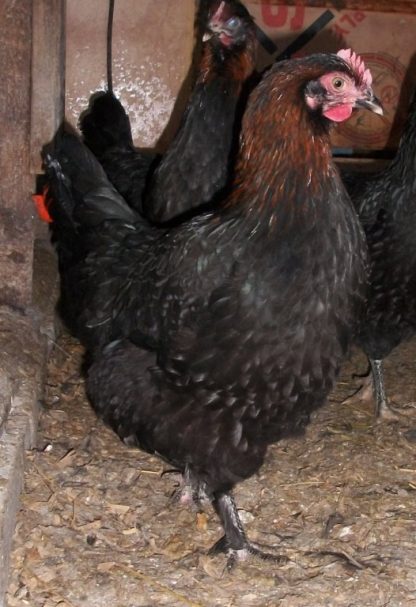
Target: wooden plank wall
[[48, 75], [16, 184]]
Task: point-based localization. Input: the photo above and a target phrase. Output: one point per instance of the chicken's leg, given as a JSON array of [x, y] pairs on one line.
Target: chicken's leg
[[382, 410], [234, 541], [373, 389]]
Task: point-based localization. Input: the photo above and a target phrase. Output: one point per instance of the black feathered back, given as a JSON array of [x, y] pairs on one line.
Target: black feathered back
[[386, 203]]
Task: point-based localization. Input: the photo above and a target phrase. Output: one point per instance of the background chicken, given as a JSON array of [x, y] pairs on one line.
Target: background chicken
[[386, 204], [231, 326], [197, 163]]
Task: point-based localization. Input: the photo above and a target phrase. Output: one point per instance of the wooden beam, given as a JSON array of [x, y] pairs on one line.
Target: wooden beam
[[48, 75], [16, 184], [387, 6]]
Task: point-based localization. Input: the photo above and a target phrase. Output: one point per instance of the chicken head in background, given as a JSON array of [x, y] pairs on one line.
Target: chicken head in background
[[211, 339]]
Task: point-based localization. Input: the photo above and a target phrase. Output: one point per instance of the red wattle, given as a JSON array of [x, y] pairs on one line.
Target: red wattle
[[338, 113]]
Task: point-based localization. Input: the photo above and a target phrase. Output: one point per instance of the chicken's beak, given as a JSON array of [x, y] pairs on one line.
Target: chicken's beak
[[214, 30], [370, 102]]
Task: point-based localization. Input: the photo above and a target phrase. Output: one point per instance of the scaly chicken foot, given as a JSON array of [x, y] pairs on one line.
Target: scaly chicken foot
[[382, 409], [372, 389], [234, 542]]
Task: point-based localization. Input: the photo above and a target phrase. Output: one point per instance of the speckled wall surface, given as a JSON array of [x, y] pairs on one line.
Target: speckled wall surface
[[152, 49]]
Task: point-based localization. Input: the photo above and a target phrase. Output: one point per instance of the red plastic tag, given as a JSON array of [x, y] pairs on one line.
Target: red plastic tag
[[41, 207]]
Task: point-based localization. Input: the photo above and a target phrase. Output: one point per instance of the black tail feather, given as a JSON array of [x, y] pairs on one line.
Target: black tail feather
[[105, 124], [59, 189], [81, 193]]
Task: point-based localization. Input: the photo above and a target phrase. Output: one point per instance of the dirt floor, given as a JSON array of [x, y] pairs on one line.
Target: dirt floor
[[98, 526]]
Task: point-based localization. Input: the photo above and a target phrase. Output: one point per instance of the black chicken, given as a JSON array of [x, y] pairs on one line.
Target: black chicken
[[230, 327], [197, 164], [385, 202]]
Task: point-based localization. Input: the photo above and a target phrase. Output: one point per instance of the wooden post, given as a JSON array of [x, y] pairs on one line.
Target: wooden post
[[16, 184], [48, 75]]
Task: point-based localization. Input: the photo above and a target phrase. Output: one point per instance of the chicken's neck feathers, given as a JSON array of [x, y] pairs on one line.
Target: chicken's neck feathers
[[231, 65], [284, 173]]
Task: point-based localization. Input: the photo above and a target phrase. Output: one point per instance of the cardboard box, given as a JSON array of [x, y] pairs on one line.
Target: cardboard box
[[386, 42]]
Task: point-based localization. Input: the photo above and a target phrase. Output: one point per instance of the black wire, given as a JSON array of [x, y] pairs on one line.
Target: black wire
[[110, 45]]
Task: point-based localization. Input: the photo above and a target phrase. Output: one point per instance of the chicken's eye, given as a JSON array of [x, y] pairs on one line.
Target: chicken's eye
[[338, 83], [233, 23]]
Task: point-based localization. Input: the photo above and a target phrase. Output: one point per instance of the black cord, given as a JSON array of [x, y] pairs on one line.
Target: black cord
[[110, 46]]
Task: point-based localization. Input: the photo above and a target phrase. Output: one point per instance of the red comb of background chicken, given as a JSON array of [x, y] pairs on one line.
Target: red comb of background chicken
[[357, 64], [222, 13], [41, 206]]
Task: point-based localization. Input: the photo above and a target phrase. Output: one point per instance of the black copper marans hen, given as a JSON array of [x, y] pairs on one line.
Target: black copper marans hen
[[197, 164], [386, 205], [230, 328]]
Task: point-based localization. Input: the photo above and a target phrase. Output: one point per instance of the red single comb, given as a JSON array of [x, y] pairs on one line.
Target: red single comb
[[222, 13], [357, 64]]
